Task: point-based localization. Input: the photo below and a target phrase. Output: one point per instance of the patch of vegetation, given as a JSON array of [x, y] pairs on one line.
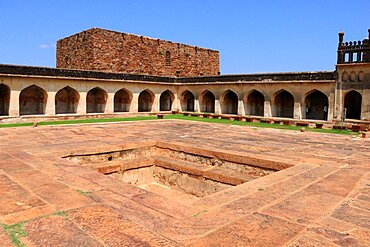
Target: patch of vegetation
[[260, 125], [60, 213], [83, 192], [199, 213], [15, 232], [181, 117], [80, 121], [15, 125]]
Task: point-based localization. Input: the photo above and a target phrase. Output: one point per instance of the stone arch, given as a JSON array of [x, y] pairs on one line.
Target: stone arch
[[146, 99], [66, 100], [361, 76], [122, 100], [4, 100], [229, 103], [187, 101], [207, 102], [96, 100], [32, 101], [316, 105], [353, 101], [255, 103], [166, 100], [345, 76], [283, 105]]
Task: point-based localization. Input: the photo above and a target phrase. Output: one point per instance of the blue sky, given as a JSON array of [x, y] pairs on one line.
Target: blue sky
[[251, 35]]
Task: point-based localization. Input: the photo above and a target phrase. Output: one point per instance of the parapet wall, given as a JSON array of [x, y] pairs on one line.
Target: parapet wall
[[104, 50]]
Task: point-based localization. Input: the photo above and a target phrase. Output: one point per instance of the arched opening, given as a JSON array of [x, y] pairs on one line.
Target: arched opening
[[284, 104], [146, 99], [230, 103], [208, 102], [165, 101], [316, 106], [96, 100], [32, 101], [4, 100], [122, 101], [352, 101], [255, 104], [66, 101], [188, 101]]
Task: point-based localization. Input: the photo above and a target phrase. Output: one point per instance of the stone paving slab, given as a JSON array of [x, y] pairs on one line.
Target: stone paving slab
[[254, 230], [322, 199], [5, 240], [57, 231]]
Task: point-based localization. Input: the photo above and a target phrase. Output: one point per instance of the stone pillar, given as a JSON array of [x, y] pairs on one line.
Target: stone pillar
[[297, 112], [241, 110], [81, 108], [14, 104], [267, 109], [196, 105], [331, 107], [155, 106], [176, 104], [365, 107], [109, 106], [218, 106], [50, 104], [134, 107]]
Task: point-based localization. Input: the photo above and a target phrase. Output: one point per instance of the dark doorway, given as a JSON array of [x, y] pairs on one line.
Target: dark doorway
[[145, 101], [165, 101], [188, 101], [4, 100], [208, 102], [66, 101], [122, 101], [353, 101], [230, 103], [284, 104], [316, 106], [96, 100], [32, 101], [255, 104]]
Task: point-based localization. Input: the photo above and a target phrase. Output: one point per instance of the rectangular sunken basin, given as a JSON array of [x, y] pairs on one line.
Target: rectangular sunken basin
[[193, 171]]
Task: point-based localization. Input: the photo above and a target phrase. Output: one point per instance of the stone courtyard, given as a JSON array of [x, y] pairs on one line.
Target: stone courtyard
[[66, 186]]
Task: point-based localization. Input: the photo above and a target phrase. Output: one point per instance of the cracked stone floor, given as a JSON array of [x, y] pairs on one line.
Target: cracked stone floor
[[323, 200]]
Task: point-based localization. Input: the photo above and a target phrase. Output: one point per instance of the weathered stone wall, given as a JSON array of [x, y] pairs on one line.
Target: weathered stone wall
[[104, 50], [104, 89], [354, 77]]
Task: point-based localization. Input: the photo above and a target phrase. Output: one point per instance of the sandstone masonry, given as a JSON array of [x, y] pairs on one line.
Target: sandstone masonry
[[105, 50]]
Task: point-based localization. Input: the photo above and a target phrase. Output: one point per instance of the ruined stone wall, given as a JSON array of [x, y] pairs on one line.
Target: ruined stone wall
[[104, 50], [76, 51]]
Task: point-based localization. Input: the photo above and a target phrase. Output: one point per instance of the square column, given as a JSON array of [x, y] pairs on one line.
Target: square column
[[155, 106], [241, 110], [109, 106], [267, 109], [81, 108], [196, 105], [218, 106], [134, 106], [14, 104], [297, 112], [176, 104], [50, 104], [331, 107]]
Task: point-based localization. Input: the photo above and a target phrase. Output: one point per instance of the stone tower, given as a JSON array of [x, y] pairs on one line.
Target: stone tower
[[353, 79]]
